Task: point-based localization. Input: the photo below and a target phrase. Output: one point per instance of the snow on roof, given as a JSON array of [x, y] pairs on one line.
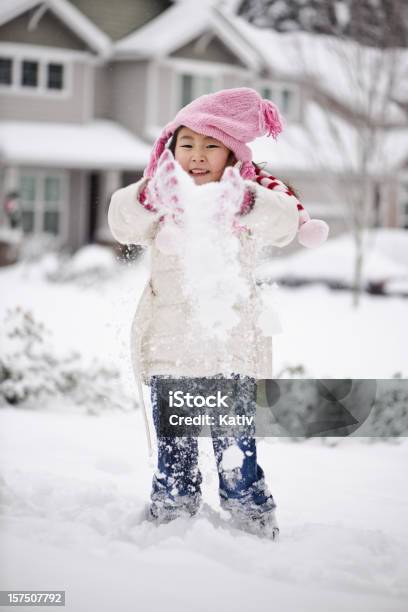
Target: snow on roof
[[334, 64], [230, 6], [100, 144], [180, 24], [68, 13], [9, 9], [174, 27]]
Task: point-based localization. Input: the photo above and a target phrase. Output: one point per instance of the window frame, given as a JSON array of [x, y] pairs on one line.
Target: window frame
[[39, 205], [19, 55], [279, 87], [47, 75], [10, 57], [200, 68], [197, 86]]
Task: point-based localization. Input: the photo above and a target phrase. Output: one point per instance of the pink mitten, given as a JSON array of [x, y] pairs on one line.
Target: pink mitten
[[163, 192], [163, 188], [312, 232]]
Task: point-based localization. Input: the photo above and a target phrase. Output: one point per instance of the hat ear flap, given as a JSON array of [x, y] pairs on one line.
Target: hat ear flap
[[157, 151], [248, 171]]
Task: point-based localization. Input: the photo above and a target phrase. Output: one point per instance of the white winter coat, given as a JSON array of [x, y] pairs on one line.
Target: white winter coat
[[164, 339]]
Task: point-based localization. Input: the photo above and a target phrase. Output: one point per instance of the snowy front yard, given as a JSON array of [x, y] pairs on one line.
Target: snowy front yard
[[73, 487], [73, 492]]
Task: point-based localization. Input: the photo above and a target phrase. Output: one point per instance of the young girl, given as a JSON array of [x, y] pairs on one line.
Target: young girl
[[208, 135]]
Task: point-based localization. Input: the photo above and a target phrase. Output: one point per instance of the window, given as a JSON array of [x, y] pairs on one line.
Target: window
[[42, 201], [28, 193], [186, 89], [55, 76], [286, 98], [29, 74], [27, 186], [6, 68], [52, 198], [52, 189], [37, 76], [193, 85]]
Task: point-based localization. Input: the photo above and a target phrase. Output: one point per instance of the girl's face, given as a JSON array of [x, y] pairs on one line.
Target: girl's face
[[196, 152]]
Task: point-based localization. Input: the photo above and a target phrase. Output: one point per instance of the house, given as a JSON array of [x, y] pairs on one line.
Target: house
[[57, 150], [86, 86]]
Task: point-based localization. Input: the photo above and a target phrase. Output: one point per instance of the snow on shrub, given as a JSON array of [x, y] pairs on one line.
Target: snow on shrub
[[299, 418], [34, 246], [31, 368], [89, 265]]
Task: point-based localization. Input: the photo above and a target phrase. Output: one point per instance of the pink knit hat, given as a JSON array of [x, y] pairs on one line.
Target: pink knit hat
[[233, 116]]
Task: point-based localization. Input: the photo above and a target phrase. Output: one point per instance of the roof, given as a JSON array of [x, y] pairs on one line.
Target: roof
[[180, 24], [97, 145], [119, 18], [83, 27]]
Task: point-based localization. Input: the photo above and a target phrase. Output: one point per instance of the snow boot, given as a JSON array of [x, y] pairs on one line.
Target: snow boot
[[163, 511], [258, 520]]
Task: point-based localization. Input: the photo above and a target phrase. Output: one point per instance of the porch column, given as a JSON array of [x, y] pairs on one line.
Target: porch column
[[110, 182]]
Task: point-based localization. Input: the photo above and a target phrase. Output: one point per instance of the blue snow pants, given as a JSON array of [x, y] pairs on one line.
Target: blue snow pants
[[176, 483]]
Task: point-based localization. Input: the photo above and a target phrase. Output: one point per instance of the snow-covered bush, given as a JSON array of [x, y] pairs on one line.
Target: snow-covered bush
[[31, 368], [34, 246], [89, 265], [302, 416], [389, 415]]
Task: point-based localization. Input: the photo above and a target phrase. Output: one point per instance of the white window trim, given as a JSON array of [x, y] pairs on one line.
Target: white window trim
[[41, 90], [177, 87], [198, 68], [203, 67], [279, 86], [44, 52], [44, 56], [179, 65], [40, 205]]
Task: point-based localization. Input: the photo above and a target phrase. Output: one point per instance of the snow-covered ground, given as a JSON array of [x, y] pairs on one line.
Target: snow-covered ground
[[73, 488], [385, 260], [73, 491]]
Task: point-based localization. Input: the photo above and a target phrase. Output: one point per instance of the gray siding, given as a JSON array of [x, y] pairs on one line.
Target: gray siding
[[128, 91], [103, 91], [50, 32], [78, 209], [167, 83], [76, 107], [215, 51], [230, 80], [120, 18]]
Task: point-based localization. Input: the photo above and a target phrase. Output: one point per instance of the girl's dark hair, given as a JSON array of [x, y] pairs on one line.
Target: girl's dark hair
[[172, 146]]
